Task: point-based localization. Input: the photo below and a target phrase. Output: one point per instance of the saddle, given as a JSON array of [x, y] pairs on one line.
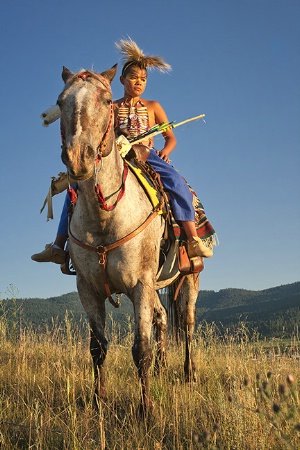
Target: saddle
[[174, 260], [150, 180]]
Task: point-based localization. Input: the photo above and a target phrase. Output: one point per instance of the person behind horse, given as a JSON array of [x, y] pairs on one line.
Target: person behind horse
[[133, 116]]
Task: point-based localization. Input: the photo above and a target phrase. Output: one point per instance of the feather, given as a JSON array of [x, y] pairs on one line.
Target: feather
[[131, 52], [50, 115]]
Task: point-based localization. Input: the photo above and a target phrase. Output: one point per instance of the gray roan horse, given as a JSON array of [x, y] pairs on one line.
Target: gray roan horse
[[105, 262]]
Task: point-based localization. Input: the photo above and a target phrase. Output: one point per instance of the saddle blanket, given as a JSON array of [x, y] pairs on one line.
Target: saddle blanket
[[146, 182], [204, 228]]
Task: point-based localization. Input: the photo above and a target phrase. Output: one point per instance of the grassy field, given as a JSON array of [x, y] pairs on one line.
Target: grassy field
[[246, 396]]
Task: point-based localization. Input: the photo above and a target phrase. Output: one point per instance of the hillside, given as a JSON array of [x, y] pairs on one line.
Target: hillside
[[270, 311]]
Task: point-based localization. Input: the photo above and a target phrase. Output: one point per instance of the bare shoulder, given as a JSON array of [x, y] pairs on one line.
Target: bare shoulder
[[156, 112], [117, 103], [152, 105]]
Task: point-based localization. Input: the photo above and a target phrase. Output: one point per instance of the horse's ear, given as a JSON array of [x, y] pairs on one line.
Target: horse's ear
[[66, 74], [110, 73]]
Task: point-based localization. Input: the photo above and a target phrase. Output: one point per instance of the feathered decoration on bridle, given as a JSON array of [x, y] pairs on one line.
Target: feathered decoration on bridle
[[132, 54]]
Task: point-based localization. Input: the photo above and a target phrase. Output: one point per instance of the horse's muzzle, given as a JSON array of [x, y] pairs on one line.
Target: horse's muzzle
[[79, 162]]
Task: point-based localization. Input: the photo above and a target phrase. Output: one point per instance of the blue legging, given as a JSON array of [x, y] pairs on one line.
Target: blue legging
[[179, 193], [181, 198]]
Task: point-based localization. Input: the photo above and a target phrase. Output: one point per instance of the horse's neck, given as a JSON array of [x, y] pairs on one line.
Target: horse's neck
[[131, 210], [108, 177], [88, 214], [109, 172]]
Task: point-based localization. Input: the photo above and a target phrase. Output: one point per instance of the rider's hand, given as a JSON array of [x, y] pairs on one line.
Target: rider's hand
[[163, 156], [119, 131]]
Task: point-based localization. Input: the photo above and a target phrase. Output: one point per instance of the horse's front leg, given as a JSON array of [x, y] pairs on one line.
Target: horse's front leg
[[160, 321], [98, 349], [189, 296], [94, 305], [143, 302]]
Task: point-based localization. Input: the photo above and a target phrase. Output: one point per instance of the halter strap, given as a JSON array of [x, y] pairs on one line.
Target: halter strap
[[86, 74], [103, 143]]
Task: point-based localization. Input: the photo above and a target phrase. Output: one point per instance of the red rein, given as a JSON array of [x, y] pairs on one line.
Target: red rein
[[101, 198]]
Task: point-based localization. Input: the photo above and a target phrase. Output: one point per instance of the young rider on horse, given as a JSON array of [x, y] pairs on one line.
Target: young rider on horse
[[133, 116]]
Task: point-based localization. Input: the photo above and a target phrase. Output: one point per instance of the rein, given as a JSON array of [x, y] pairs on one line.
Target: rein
[[102, 250], [102, 202]]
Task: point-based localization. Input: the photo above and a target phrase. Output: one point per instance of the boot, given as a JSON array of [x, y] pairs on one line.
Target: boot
[[50, 254], [196, 247]]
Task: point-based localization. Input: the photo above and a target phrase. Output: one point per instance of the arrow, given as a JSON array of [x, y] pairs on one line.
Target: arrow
[[161, 128]]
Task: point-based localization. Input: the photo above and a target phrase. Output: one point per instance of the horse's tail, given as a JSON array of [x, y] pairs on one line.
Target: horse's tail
[[173, 299]]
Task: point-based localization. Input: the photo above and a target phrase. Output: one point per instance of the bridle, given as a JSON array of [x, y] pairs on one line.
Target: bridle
[[101, 151], [101, 147]]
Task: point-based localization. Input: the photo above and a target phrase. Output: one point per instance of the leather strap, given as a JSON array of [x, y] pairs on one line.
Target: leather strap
[[101, 250], [181, 280]]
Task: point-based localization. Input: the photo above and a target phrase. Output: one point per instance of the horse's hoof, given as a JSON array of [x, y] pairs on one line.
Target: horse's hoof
[[159, 367], [99, 399], [191, 378], [80, 403], [145, 410]]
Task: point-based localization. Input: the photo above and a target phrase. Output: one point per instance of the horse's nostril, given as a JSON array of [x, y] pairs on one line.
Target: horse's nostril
[[64, 156], [89, 152]]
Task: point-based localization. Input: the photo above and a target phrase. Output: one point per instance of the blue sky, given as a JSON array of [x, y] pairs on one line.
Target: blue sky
[[237, 61]]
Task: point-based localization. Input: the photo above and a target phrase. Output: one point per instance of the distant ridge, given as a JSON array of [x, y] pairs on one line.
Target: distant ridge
[[270, 311]]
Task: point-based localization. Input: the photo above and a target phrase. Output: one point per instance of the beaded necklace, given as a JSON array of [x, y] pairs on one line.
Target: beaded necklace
[[133, 118]]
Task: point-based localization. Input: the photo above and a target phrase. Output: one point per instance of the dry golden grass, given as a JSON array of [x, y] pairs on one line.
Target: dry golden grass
[[245, 397]]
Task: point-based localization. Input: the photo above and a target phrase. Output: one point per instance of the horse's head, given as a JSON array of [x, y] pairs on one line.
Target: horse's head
[[86, 120]]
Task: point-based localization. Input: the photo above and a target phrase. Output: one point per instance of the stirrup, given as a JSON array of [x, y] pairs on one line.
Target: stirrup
[[67, 267]]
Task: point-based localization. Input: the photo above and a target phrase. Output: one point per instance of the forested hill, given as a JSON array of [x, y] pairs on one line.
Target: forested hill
[[281, 296], [270, 311]]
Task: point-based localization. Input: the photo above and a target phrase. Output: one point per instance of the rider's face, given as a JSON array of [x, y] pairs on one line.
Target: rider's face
[[134, 82]]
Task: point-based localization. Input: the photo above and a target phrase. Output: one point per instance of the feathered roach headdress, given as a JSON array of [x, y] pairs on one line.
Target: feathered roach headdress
[[133, 55]]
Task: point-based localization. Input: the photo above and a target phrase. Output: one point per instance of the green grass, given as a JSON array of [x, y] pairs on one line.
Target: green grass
[[246, 396]]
